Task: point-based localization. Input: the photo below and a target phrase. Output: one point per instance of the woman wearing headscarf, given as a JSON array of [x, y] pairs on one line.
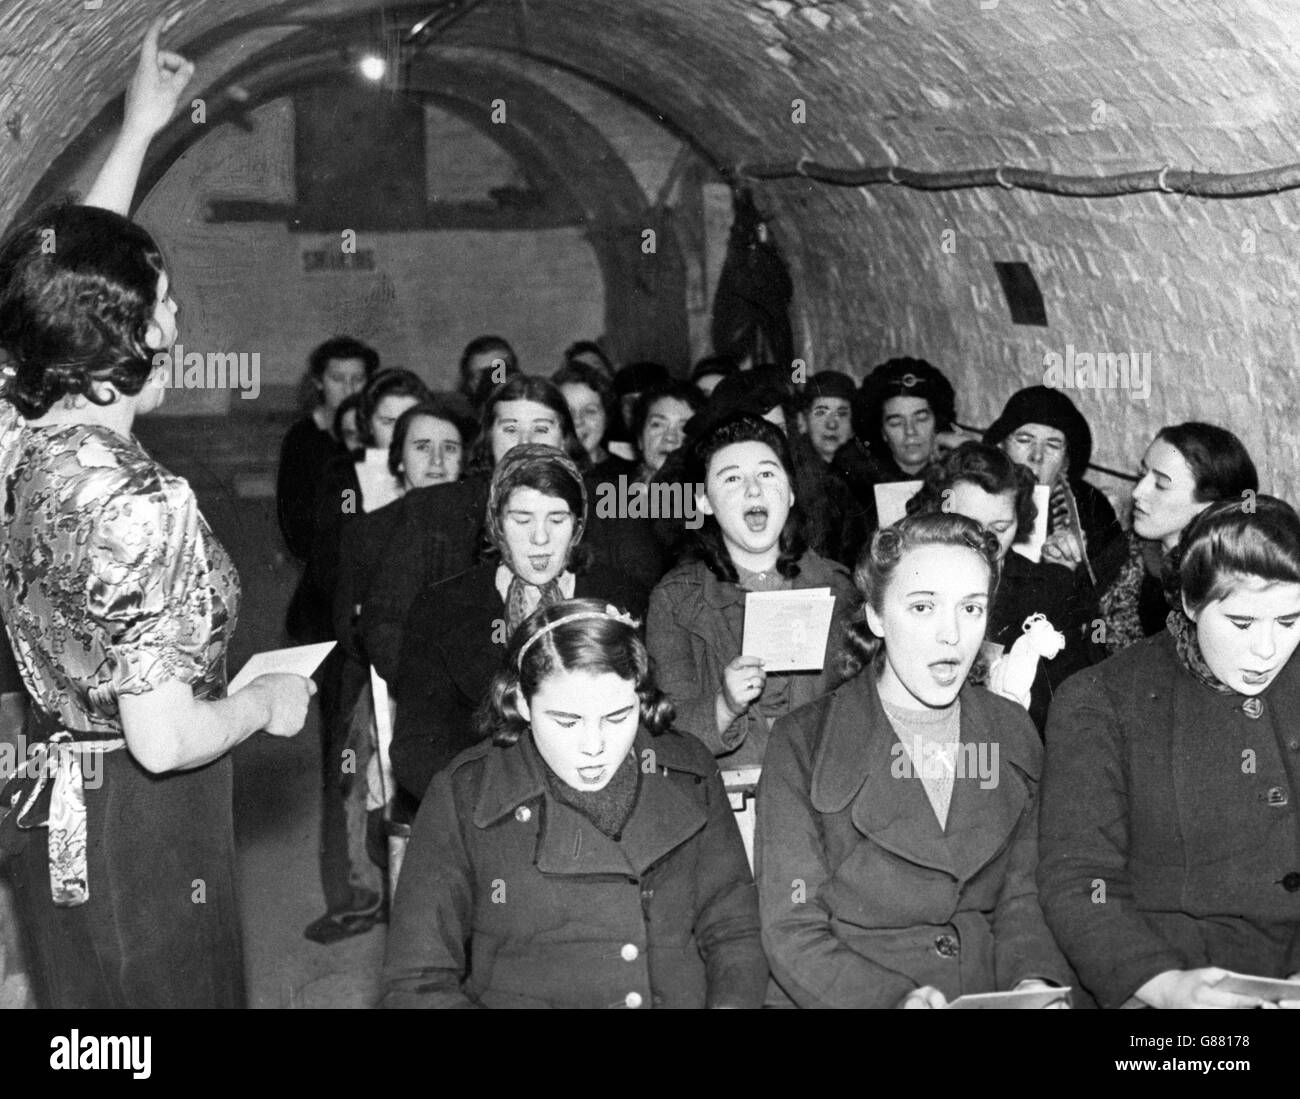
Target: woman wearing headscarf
[[1041, 429], [457, 630]]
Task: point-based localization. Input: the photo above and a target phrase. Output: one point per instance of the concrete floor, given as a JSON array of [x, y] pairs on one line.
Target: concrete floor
[[277, 798]]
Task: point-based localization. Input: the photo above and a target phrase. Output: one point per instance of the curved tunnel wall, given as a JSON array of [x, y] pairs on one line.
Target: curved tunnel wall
[[1207, 288]]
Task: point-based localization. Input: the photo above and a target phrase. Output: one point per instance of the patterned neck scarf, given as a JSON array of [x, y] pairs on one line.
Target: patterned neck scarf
[[523, 598], [1189, 652], [1119, 603]]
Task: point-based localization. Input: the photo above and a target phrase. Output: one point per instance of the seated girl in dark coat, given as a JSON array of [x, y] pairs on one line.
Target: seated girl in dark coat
[[897, 820], [1170, 848], [441, 532], [455, 635], [586, 856], [980, 482], [751, 540]]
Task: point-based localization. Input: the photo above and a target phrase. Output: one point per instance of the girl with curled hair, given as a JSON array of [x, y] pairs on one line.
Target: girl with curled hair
[[984, 484], [1171, 776], [586, 856], [749, 539], [904, 801]]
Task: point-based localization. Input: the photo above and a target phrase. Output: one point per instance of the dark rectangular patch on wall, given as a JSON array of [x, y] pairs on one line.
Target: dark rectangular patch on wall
[[1024, 299], [359, 159]]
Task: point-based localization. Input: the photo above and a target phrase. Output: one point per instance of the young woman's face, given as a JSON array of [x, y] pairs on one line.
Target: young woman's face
[[351, 432], [664, 431], [830, 425], [387, 412], [908, 426], [515, 422], [746, 489], [431, 452], [538, 531], [339, 380], [932, 618], [588, 415], [1248, 636], [1164, 501], [996, 513], [583, 725], [1038, 447]]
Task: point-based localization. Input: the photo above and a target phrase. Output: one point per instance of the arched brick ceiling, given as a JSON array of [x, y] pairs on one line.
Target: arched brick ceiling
[[1064, 85]]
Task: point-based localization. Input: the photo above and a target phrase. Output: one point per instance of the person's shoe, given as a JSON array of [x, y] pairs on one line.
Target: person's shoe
[[332, 928]]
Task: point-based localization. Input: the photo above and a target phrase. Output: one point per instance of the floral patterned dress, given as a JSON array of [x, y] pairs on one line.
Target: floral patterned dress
[[112, 583]]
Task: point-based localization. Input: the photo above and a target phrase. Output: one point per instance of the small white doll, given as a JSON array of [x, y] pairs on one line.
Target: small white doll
[[1012, 674]]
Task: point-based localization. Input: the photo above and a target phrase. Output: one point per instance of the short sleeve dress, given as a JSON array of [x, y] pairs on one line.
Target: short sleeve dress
[[112, 583]]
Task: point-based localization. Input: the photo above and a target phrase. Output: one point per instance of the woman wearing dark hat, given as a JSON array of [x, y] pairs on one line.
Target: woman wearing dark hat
[[457, 630], [826, 417], [904, 404], [1169, 847], [1040, 428]]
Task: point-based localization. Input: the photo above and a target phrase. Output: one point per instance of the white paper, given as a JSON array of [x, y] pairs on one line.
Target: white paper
[[1265, 988], [891, 500], [300, 660], [787, 630], [1033, 549], [1028, 998]]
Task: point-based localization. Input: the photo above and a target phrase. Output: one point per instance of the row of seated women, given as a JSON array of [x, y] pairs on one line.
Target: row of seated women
[[912, 845]]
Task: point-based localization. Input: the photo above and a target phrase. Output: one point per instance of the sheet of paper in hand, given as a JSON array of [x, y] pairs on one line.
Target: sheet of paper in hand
[[891, 500], [787, 630], [300, 660], [1027, 998], [1033, 549], [1267, 989]]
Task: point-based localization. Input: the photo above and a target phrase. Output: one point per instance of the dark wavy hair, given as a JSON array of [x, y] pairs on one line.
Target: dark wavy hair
[[578, 348], [435, 408], [342, 347], [707, 543], [1232, 540], [348, 404], [525, 387], [596, 643], [986, 467], [78, 289], [902, 377], [879, 561], [1217, 458], [387, 383]]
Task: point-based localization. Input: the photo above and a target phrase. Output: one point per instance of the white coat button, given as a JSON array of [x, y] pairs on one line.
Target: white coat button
[[523, 814], [629, 952], [633, 999]]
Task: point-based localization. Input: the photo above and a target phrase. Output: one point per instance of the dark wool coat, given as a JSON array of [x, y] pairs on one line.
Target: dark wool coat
[[1170, 831], [688, 635], [511, 898], [454, 644], [863, 897]]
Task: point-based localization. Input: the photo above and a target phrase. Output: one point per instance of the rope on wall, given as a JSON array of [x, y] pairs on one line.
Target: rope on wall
[[1201, 184]]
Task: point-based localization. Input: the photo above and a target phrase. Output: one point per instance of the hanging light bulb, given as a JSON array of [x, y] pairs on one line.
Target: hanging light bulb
[[373, 67]]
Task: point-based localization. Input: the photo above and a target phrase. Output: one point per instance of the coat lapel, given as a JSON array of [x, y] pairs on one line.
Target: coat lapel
[[861, 760]]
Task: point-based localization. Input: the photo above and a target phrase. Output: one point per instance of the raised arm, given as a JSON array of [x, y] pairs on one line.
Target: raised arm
[[151, 97]]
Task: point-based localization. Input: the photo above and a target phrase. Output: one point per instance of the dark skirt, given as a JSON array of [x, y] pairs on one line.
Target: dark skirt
[[161, 927]]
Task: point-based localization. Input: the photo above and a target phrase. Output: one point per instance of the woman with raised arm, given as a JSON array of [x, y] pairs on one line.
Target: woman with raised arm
[[1170, 851], [120, 604], [897, 817]]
